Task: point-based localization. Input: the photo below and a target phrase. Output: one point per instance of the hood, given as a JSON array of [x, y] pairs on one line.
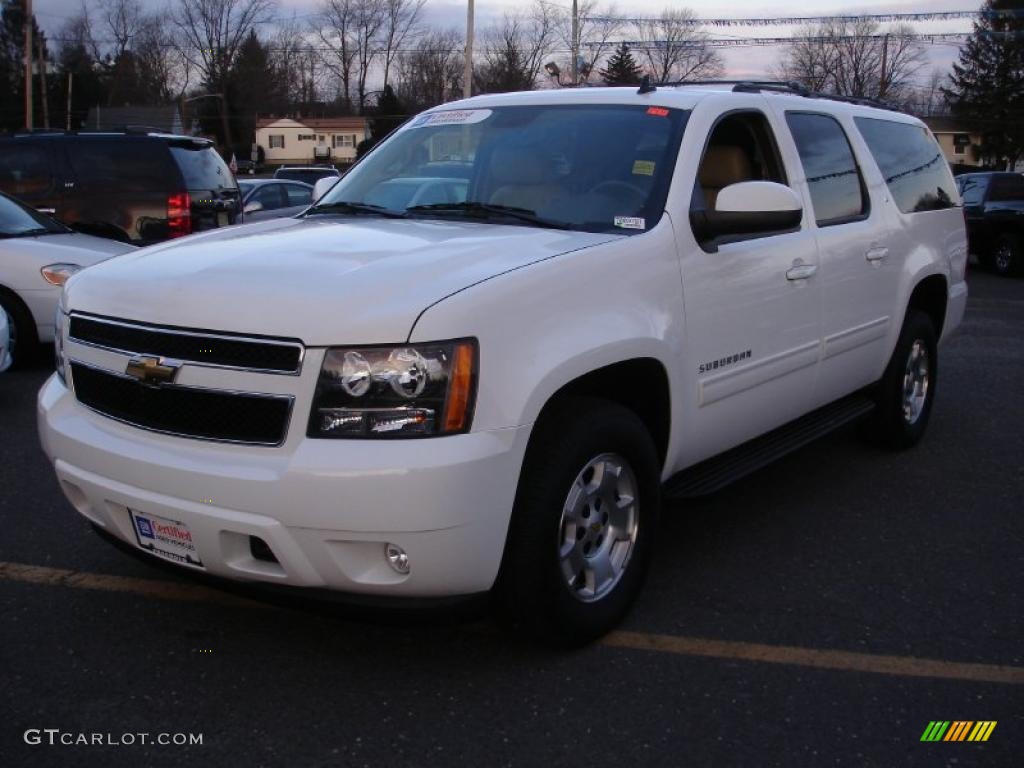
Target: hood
[[324, 280], [71, 248]]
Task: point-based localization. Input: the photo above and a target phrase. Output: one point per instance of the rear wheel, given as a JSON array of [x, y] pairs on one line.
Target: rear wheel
[[584, 522], [1006, 256], [907, 389], [24, 341]]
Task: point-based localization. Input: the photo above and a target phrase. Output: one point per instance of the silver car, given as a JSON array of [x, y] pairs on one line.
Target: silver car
[[37, 255], [273, 199]]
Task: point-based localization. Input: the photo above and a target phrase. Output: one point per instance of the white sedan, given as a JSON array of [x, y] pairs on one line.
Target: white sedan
[[37, 255]]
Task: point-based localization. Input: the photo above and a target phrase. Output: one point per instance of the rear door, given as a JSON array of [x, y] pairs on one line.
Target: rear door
[[860, 269], [213, 191]]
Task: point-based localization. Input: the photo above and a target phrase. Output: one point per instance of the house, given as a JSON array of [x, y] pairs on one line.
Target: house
[[165, 119], [288, 141], [959, 144]]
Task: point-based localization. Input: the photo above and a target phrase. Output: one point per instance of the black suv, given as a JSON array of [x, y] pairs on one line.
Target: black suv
[[994, 209], [136, 187]]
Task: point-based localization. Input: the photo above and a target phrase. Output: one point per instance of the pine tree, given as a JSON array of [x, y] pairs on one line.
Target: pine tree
[[987, 90], [622, 68]]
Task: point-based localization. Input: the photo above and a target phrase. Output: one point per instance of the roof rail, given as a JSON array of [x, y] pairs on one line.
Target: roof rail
[[783, 86]]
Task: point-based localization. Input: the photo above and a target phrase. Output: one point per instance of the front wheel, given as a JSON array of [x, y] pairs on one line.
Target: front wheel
[[23, 342], [1006, 256], [583, 524], [906, 391]]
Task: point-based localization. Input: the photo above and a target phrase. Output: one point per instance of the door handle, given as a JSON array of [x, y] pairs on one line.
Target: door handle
[[876, 253], [801, 271], [50, 211]]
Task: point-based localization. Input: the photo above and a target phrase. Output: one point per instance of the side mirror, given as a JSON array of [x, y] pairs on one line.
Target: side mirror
[[749, 208], [323, 186], [253, 206]]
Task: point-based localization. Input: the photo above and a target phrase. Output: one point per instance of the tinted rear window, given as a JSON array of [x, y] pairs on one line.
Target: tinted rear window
[[138, 166], [203, 168], [912, 164], [1010, 187], [311, 176]]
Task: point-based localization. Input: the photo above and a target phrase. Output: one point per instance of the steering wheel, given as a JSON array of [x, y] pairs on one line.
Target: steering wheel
[[614, 184]]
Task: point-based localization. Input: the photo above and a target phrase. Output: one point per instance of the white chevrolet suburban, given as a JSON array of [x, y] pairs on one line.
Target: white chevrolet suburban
[[480, 362]]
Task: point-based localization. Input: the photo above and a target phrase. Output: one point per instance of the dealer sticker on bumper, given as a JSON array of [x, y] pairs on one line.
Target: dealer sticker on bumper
[[169, 539]]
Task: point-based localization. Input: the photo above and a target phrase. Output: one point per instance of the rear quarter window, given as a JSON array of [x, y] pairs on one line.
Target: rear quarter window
[[911, 162], [202, 168], [136, 166], [24, 170]]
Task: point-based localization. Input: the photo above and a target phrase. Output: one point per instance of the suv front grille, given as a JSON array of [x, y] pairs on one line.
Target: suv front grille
[[208, 414], [205, 348]]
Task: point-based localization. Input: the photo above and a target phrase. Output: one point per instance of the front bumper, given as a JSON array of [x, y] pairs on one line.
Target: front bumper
[[326, 508]]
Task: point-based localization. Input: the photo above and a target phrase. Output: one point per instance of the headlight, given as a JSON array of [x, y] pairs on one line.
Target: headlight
[[58, 274], [60, 361], [413, 390]]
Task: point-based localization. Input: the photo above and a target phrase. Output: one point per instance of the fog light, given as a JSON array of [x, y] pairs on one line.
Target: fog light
[[397, 558]]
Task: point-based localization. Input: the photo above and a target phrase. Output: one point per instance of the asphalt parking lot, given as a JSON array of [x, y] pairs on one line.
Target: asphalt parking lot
[[821, 612]]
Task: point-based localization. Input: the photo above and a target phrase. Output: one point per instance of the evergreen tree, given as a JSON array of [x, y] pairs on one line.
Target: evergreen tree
[[622, 68], [387, 115], [252, 88], [987, 90]]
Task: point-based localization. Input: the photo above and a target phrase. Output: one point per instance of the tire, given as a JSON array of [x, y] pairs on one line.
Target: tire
[[571, 447], [24, 338], [1006, 257], [901, 414]]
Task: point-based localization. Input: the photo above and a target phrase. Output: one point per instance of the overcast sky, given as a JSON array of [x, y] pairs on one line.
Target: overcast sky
[[741, 62]]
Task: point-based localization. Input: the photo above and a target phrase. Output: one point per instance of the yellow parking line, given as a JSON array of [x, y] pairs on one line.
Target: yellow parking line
[[902, 666]]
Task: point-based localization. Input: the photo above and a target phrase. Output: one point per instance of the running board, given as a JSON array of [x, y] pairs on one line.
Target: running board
[[717, 472]]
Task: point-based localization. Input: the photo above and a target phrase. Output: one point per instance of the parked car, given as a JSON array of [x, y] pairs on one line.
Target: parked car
[[635, 294], [5, 340], [37, 254], [140, 188], [272, 199], [994, 210], [310, 174]]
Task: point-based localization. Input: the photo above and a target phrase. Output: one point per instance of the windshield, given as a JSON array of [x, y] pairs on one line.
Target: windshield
[[972, 189], [596, 168], [203, 168], [17, 220]]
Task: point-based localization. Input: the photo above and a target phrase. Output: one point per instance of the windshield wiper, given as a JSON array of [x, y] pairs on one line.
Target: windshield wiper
[[344, 206], [487, 210], [28, 233]]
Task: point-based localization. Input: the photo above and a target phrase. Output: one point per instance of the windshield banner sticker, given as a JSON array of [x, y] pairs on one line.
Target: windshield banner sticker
[[451, 117], [630, 222], [643, 168]]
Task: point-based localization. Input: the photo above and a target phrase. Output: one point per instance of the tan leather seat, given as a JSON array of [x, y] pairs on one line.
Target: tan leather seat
[[722, 165], [524, 179]]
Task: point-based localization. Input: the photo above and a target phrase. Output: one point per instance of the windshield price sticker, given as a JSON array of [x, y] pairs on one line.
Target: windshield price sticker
[[630, 222], [451, 117]]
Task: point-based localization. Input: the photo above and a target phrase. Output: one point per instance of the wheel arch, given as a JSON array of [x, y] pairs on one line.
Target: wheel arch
[[931, 296]]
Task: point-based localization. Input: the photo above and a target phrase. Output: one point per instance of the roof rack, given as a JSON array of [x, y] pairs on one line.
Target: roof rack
[[783, 86]]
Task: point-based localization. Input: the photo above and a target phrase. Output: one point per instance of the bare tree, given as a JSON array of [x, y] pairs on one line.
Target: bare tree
[[162, 67], [676, 47], [349, 29], [515, 49], [432, 72], [122, 21], [212, 31], [401, 26], [597, 26], [853, 58], [297, 65]]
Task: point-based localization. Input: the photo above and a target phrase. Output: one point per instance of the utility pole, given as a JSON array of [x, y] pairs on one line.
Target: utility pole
[[575, 68], [71, 83], [467, 73], [883, 86], [43, 92], [28, 65]]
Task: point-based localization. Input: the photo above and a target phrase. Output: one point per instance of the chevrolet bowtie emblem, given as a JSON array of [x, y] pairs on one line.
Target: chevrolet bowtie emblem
[[152, 370]]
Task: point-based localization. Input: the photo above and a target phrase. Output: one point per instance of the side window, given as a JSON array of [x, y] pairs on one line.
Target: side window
[[833, 178], [973, 188], [1008, 187], [269, 195], [135, 166], [25, 171], [298, 195], [741, 148], [911, 162]]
